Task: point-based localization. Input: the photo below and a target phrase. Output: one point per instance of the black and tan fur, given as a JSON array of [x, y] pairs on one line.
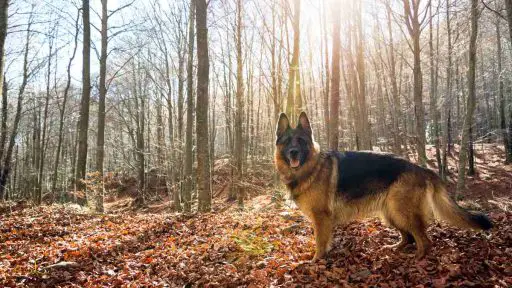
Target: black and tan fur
[[332, 188]]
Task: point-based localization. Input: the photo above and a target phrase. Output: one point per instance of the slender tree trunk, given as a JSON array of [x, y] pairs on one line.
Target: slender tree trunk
[[5, 167], [433, 94], [187, 190], [364, 124], [471, 154], [395, 93], [4, 15], [203, 71], [294, 72], [414, 26], [239, 143], [140, 123], [503, 123], [335, 79], [448, 98], [470, 108], [3, 132], [100, 139], [62, 109], [327, 74], [83, 126], [178, 191]]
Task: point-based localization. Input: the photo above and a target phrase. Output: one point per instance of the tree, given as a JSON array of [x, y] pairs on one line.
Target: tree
[[335, 78], [433, 91], [239, 143], [396, 114], [470, 106], [187, 189], [364, 135], [448, 98], [83, 122], [414, 21], [502, 115], [62, 107], [203, 70], [5, 167], [4, 15], [293, 103]]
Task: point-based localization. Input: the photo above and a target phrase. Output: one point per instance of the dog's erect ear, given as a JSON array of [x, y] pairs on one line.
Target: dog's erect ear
[[282, 125], [304, 123]]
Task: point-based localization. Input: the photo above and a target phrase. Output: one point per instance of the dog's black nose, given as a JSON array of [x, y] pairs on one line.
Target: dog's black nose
[[294, 153]]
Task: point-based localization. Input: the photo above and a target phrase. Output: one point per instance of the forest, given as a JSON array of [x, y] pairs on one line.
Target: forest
[[138, 138]]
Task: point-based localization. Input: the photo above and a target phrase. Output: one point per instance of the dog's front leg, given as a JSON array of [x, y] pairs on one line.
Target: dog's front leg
[[323, 226]]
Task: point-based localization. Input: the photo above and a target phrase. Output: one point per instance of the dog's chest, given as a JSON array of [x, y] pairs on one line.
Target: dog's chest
[[312, 201]]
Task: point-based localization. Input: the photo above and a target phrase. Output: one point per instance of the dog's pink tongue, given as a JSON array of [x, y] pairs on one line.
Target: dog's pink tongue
[[294, 163]]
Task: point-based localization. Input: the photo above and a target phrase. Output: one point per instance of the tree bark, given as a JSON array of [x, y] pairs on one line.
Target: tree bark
[[83, 126], [335, 79], [413, 23], [503, 123], [239, 143], [62, 109], [100, 139], [294, 72], [470, 108], [433, 93], [395, 93], [446, 119], [187, 189], [5, 167], [364, 124], [203, 71]]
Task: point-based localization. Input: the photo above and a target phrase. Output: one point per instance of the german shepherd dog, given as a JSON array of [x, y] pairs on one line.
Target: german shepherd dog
[[334, 187]]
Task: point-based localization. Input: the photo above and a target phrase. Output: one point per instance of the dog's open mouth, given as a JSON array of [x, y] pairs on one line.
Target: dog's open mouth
[[294, 163]]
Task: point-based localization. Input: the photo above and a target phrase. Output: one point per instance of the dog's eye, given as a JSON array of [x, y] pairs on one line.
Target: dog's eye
[[283, 140]]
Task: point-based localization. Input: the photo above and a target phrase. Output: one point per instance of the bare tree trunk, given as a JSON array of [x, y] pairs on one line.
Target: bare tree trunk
[[365, 130], [187, 190], [83, 126], [4, 15], [327, 74], [448, 98], [471, 97], [178, 191], [294, 74], [335, 79], [203, 71], [433, 93], [62, 109], [239, 143], [100, 139], [140, 123], [397, 111], [503, 123], [471, 153], [413, 22], [5, 167], [39, 187], [3, 131]]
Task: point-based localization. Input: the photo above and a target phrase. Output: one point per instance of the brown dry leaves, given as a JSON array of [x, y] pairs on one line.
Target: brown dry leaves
[[231, 249]]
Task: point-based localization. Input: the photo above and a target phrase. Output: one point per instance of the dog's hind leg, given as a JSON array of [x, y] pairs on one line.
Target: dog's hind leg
[[418, 231], [406, 238]]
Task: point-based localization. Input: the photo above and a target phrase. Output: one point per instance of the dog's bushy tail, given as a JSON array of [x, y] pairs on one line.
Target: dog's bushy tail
[[447, 209]]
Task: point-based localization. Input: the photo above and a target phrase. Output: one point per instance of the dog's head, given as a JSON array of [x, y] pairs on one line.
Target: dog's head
[[294, 147]]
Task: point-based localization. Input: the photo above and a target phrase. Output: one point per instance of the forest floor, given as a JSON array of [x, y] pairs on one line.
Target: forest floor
[[265, 245]]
